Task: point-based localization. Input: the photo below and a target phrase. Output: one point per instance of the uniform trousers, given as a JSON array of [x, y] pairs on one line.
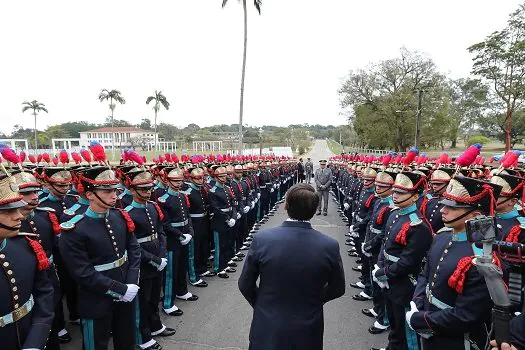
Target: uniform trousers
[[378, 297], [118, 322], [240, 232], [400, 337], [147, 305], [308, 177], [222, 253], [201, 245], [323, 200], [175, 282], [265, 201]]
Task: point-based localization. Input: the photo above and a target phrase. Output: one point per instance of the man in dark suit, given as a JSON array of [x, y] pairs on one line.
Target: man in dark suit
[[288, 303]]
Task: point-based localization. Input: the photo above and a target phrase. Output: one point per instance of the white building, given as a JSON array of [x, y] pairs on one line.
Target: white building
[[126, 136]]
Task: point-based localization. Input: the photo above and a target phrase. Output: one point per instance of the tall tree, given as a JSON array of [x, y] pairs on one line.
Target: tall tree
[[257, 4], [160, 100], [112, 96], [36, 107], [500, 60]]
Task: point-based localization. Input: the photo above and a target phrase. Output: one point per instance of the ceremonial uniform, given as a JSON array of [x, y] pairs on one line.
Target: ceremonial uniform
[[26, 294], [103, 257], [323, 181]]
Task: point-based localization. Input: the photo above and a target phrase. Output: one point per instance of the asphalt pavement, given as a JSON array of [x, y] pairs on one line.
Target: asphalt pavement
[[221, 318]]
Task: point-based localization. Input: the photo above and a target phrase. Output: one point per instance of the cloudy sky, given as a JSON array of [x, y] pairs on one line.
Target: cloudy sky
[[62, 53]]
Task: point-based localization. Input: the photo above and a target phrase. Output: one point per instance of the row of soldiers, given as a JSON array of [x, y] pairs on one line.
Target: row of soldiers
[[407, 231], [119, 242]]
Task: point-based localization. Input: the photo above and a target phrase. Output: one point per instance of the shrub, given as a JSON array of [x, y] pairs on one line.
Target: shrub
[[478, 139]]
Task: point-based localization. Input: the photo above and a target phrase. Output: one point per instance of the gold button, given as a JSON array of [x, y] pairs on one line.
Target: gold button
[[16, 306], [13, 280], [9, 272], [2, 256], [110, 231], [445, 251], [108, 226], [6, 264], [441, 259], [32, 222], [15, 297], [114, 243], [15, 289]]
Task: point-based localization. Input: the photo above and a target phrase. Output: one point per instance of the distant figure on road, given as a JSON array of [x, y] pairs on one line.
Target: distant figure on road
[[288, 303], [300, 170], [323, 180], [308, 170]]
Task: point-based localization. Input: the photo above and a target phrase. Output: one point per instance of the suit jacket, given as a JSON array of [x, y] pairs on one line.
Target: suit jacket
[[300, 269]]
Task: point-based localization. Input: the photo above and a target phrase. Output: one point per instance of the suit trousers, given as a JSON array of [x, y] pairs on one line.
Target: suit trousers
[[119, 322], [400, 337], [175, 282], [147, 312], [323, 201]]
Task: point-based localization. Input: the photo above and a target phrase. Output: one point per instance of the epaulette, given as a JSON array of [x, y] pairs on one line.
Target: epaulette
[[72, 210], [43, 199], [521, 220], [159, 211], [128, 208], [76, 196], [120, 196], [429, 196], [46, 209], [414, 219], [129, 222], [188, 190], [444, 229], [69, 225], [162, 199], [213, 189]]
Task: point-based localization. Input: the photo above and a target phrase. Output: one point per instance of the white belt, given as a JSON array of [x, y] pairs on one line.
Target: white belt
[[390, 258], [358, 219], [112, 265], [179, 224], [226, 210], [198, 215], [147, 238], [17, 314]]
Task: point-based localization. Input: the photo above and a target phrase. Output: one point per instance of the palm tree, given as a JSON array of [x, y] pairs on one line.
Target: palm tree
[[111, 96], [36, 107], [160, 100], [257, 4]]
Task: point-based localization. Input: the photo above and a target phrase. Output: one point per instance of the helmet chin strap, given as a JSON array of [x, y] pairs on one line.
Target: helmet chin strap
[[104, 202], [459, 217], [404, 200], [9, 228], [379, 193], [440, 189]]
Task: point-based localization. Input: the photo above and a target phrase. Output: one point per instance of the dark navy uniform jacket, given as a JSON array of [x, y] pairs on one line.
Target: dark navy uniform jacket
[[150, 236], [222, 207], [375, 234], [94, 239], [365, 208], [59, 204], [78, 208], [20, 279], [445, 314], [175, 206], [124, 199], [43, 224], [433, 214], [402, 254], [199, 205], [508, 222]]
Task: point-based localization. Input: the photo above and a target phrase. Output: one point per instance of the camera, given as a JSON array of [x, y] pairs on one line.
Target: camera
[[481, 229]]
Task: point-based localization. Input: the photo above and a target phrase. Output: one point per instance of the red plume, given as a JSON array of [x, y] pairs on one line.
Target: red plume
[[135, 157], [64, 157], [99, 154], [46, 157], [174, 158], [491, 160], [469, 156], [86, 155], [22, 156], [144, 159], [76, 157], [443, 159], [9, 154], [124, 156], [39, 158], [55, 161], [510, 158], [167, 156], [399, 158], [32, 158], [161, 159], [411, 155]]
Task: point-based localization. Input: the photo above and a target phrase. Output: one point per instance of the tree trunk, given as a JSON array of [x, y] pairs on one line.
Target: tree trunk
[[36, 139], [454, 143], [241, 102], [508, 126]]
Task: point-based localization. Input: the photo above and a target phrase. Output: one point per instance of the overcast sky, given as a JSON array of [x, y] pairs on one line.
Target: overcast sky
[[63, 53]]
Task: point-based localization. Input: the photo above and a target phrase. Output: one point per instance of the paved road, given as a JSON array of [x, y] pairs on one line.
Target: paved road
[[221, 318]]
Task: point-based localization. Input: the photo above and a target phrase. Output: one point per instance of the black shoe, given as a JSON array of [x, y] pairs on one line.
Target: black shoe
[[155, 346], [167, 332], [318, 214], [237, 258], [192, 298], [353, 254], [201, 284], [357, 268], [374, 330], [75, 322], [349, 242], [208, 274], [359, 261], [240, 255], [358, 286], [230, 269], [64, 339], [368, 313], [177, 312], [325, 214], [223, 275], [232, 264], [359, 297]]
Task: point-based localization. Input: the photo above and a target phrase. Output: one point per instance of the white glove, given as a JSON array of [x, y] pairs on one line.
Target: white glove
[[238, 216], [246, 209], [376, 268], [131, 292], [253, 204], [187, 239], [354, 234], [351, 228], [231, 222], [163, 263], [347, 206], [271, 190], [258, 195], [365, 253], [383, 285], [413, 310]]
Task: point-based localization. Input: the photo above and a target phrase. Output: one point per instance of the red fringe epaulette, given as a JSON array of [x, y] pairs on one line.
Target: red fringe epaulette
[[514, 234], [159, 211], [54, 222], [41, 257], [187, 200], [457, 280], [401, 237], [423, 207], [381, 215], [369, 201], [129, 221]]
